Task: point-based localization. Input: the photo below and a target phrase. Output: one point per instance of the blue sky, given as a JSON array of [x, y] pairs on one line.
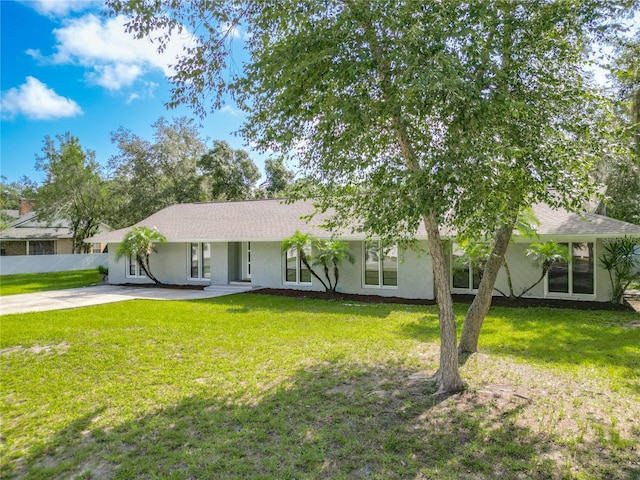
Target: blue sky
[[67, 68]]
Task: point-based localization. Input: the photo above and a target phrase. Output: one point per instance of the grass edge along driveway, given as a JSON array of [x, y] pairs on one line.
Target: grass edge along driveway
[[43, 282], [252, 386]]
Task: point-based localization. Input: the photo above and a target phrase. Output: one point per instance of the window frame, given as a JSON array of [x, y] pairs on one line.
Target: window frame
[[202, 275], [139, 272], [570, 273], [247, 259], [381, 249], [299, 267], [471, 274]]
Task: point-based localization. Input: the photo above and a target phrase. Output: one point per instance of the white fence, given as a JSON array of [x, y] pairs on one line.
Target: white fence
[[10, 265]]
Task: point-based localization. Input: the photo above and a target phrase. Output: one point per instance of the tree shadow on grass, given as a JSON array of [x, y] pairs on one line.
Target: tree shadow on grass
[[552, 336], [327, 421], [249, 303]]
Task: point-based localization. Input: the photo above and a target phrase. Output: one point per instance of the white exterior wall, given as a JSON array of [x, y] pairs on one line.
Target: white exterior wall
[[415, 277], [170, 265], [525, 272]]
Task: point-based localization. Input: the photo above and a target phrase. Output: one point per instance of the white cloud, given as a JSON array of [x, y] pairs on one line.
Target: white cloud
[[35, 100], [59, 8], [114, 77], [230, 110], [114, 57], [132, 97]]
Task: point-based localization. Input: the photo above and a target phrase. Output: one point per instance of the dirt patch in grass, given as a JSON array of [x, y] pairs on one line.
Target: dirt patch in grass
[[37, 349], [467, 299]]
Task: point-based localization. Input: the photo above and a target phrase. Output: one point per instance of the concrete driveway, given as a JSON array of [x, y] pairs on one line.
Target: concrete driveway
[[83, 297]]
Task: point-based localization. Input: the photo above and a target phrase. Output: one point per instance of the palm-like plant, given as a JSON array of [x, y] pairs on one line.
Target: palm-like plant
[[621, 260], [139, 243], [545, 255], [332, 253], [301, 242]]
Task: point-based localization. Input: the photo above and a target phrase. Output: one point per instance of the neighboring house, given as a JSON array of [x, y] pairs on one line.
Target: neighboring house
[[29, 235], [221, 243]]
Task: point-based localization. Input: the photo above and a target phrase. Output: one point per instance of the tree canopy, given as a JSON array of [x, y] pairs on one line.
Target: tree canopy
[[443, 114], [73, 188], [147, 176], [620, 168], [229, 174]]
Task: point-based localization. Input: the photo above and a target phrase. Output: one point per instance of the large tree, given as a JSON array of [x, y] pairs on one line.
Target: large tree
[[148, 175], [278, 177], [73, 188], [442, 114], [228, 173], [621, 167]]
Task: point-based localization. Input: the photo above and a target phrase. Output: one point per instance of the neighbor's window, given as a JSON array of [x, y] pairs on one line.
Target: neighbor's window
[[380, 265], [133, 268], [200, 258], [464, 275], [41, 247], [295, 271], [577, 276]]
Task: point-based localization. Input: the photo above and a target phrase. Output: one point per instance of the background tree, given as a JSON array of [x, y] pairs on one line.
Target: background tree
[[230, 174], [10, 195], [278, 177], [147, 176], [452, 113], [139, 244], [620, 168], [73, 188]]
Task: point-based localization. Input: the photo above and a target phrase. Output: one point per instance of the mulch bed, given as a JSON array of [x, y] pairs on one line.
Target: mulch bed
[[467, 299], [457, 298]]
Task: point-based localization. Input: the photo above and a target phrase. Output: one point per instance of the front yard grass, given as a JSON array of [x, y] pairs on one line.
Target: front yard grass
[[263, 387], [41, 282]]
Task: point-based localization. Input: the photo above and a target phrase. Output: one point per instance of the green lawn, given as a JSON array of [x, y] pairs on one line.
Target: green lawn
[[40, 282], [259, 387]]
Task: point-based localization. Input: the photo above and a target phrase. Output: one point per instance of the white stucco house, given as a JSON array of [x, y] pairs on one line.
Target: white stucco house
[[226, 242]]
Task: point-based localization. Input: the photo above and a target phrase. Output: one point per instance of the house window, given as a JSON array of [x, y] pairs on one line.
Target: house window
[[96, 248], [380, 265], [577, 276], [465, 276], [295, 271], [200, 261], [133, 268], [41, 247]]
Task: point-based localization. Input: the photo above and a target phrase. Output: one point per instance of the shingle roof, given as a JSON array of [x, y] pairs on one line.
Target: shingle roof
[[30, 227], [275, 220], [561, 222]]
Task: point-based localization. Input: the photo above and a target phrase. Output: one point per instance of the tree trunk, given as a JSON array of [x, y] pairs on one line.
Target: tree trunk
[[144, 263], [448, 377], [449, 380], [482, 301], [509, 281], [336, 275], [305, 261]]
